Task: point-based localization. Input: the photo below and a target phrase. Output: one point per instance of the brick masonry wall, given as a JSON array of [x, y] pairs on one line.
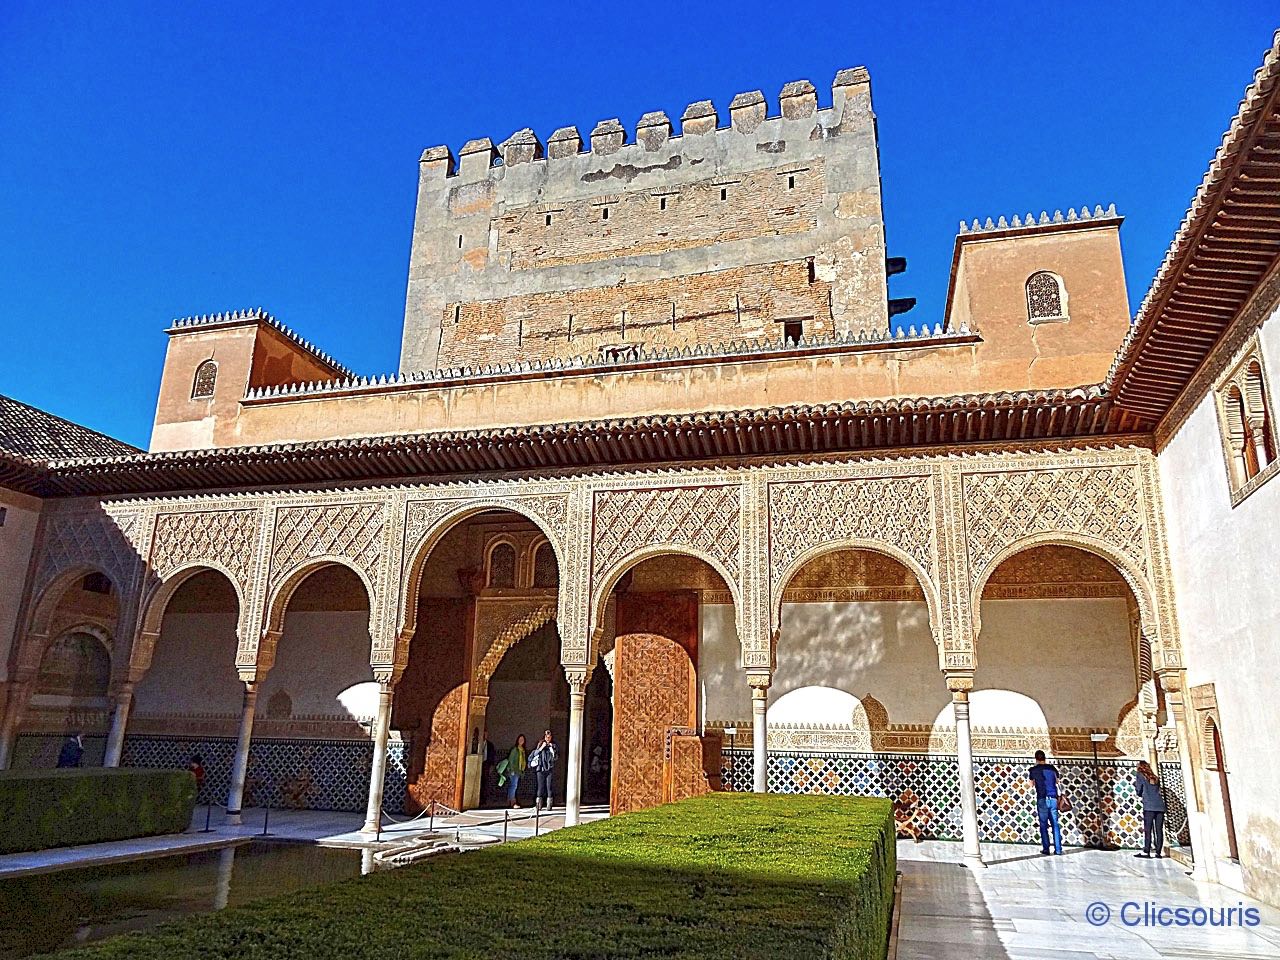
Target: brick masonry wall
[[772, 202], [711, 307]]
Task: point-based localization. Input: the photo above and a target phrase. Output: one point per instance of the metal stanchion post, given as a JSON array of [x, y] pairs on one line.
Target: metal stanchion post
[[431, 818], [537, 819], [506, 822], [266, 819], [208, 812]]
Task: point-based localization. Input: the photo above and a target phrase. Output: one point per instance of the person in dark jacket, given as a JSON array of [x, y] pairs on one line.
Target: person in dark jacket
[[1153, 810], [1045, 777], [543, 760], [72, 751]]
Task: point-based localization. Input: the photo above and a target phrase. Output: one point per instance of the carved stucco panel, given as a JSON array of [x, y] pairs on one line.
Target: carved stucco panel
[[897, 512], [707, 519], [1102, 503], [108, 540], [224, 538]]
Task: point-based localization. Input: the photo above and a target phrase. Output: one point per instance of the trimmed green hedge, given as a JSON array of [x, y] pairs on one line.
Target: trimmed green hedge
[[721, 877], [60, 808]]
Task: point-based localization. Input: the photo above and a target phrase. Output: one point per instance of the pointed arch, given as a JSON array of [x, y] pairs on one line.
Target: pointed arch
[[1142, 590], [605, 584], [512, 633], [932, 598], [419, 552]]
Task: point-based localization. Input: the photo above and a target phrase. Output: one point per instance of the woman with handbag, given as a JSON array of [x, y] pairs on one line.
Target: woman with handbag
[[1153, 810], [543, 761], [512, 769]]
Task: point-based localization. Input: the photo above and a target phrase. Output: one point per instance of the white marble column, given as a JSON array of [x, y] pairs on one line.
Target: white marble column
[[240, 765], [378, 770], [119, 720], [1256, 428], [573, 777], [960, 687], [760, 683]]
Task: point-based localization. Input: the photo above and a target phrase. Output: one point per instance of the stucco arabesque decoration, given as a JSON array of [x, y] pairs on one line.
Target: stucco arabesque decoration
[[950, 519]]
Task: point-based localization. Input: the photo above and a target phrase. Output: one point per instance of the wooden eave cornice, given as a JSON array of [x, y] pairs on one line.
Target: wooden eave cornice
[[22, 474], [1228, 244], [1027, 417]]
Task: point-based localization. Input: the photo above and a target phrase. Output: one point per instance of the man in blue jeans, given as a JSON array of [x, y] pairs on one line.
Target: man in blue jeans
[[1045, 777]]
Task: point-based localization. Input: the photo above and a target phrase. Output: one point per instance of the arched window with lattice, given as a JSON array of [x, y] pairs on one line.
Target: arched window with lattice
[[1248, 430], [205, 380], [1046, 297], [502, 565], [545, 571]]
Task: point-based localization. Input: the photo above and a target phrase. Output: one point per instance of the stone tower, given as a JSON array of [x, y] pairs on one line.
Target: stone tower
[[770, 227]]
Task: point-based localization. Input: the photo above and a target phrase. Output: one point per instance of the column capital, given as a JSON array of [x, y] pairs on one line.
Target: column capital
[[960, 683], [760, 681], [578, 677], [1171, 681]]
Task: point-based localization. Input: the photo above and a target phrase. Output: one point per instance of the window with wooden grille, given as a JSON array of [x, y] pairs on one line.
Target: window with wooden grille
[[1046, 297]]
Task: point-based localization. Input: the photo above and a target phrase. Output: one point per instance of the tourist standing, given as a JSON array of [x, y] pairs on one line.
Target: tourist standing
[[196, 766], [487, 754], [543, 762], [1153, 810], [512, 769], [1045, 777], [72, 751]]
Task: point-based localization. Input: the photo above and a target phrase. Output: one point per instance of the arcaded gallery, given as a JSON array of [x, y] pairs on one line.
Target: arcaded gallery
[[671, 469]]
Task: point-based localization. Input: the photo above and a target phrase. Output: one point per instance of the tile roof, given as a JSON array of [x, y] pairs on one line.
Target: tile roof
[[32, 434]]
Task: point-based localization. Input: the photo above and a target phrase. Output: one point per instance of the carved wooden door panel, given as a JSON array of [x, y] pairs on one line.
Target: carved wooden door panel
[[654, 691]]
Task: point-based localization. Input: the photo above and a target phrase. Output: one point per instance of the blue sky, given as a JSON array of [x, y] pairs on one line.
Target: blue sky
[[157, 162]]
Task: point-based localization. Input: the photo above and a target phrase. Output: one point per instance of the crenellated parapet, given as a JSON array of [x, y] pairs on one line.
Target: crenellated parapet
[[747, 112]]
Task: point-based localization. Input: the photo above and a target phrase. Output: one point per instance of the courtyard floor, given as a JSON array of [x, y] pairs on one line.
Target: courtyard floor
[[1027, 906]]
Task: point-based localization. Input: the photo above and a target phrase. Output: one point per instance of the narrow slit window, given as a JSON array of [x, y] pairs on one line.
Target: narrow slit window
[[791, 182], [459, 241], [724, 193], [604, 213], [548, 219], [662, 203]]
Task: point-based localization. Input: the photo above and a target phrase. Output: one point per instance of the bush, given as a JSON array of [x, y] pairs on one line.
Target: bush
[[727, 876], [58, 808]]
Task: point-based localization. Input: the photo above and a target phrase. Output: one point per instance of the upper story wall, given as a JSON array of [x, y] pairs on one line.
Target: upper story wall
[[213, 361], [715, 235], [1224, 555], [1047, 295]]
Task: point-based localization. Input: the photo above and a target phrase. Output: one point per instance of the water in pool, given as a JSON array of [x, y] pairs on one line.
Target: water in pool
[[53, 911]]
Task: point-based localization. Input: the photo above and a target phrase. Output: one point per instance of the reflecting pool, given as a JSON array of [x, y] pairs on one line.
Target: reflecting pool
[[54, 911]]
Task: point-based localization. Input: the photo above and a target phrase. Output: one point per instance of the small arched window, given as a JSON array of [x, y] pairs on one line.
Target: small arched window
[[502, 566], [1046, 297], [545, 571], [205, 380], [1249, 437]]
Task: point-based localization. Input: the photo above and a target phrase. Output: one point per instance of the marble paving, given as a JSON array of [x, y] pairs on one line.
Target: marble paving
[[1027, 906]]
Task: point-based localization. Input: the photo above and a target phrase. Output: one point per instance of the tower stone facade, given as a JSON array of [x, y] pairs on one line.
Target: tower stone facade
[[768, 227]]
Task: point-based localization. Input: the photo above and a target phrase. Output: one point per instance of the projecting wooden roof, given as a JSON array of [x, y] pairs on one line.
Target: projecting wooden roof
[[720, 437], [1228, 242]]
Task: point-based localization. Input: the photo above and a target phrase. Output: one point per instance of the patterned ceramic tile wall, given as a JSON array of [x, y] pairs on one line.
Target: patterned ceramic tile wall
[[1104, 798], [303, 774]]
